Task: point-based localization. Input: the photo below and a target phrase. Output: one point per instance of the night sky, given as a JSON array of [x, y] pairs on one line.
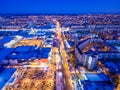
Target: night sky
[[59, 6]]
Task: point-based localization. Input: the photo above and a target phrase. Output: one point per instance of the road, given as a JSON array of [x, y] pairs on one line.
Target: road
[[65, 67]]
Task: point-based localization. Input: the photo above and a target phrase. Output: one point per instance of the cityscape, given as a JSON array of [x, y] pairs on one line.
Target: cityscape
[[59, 45], [60, 52]]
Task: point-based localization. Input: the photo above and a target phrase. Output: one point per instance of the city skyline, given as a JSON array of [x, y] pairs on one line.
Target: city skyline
[[59, 44]]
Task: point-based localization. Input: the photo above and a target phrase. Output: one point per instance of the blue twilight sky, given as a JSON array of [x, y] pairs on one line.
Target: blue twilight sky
[[58, 6]]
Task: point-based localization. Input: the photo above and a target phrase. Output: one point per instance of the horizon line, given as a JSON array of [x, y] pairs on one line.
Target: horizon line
[[85, 13]]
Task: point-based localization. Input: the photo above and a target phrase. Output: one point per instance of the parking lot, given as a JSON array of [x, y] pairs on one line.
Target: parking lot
[[33, 79]]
